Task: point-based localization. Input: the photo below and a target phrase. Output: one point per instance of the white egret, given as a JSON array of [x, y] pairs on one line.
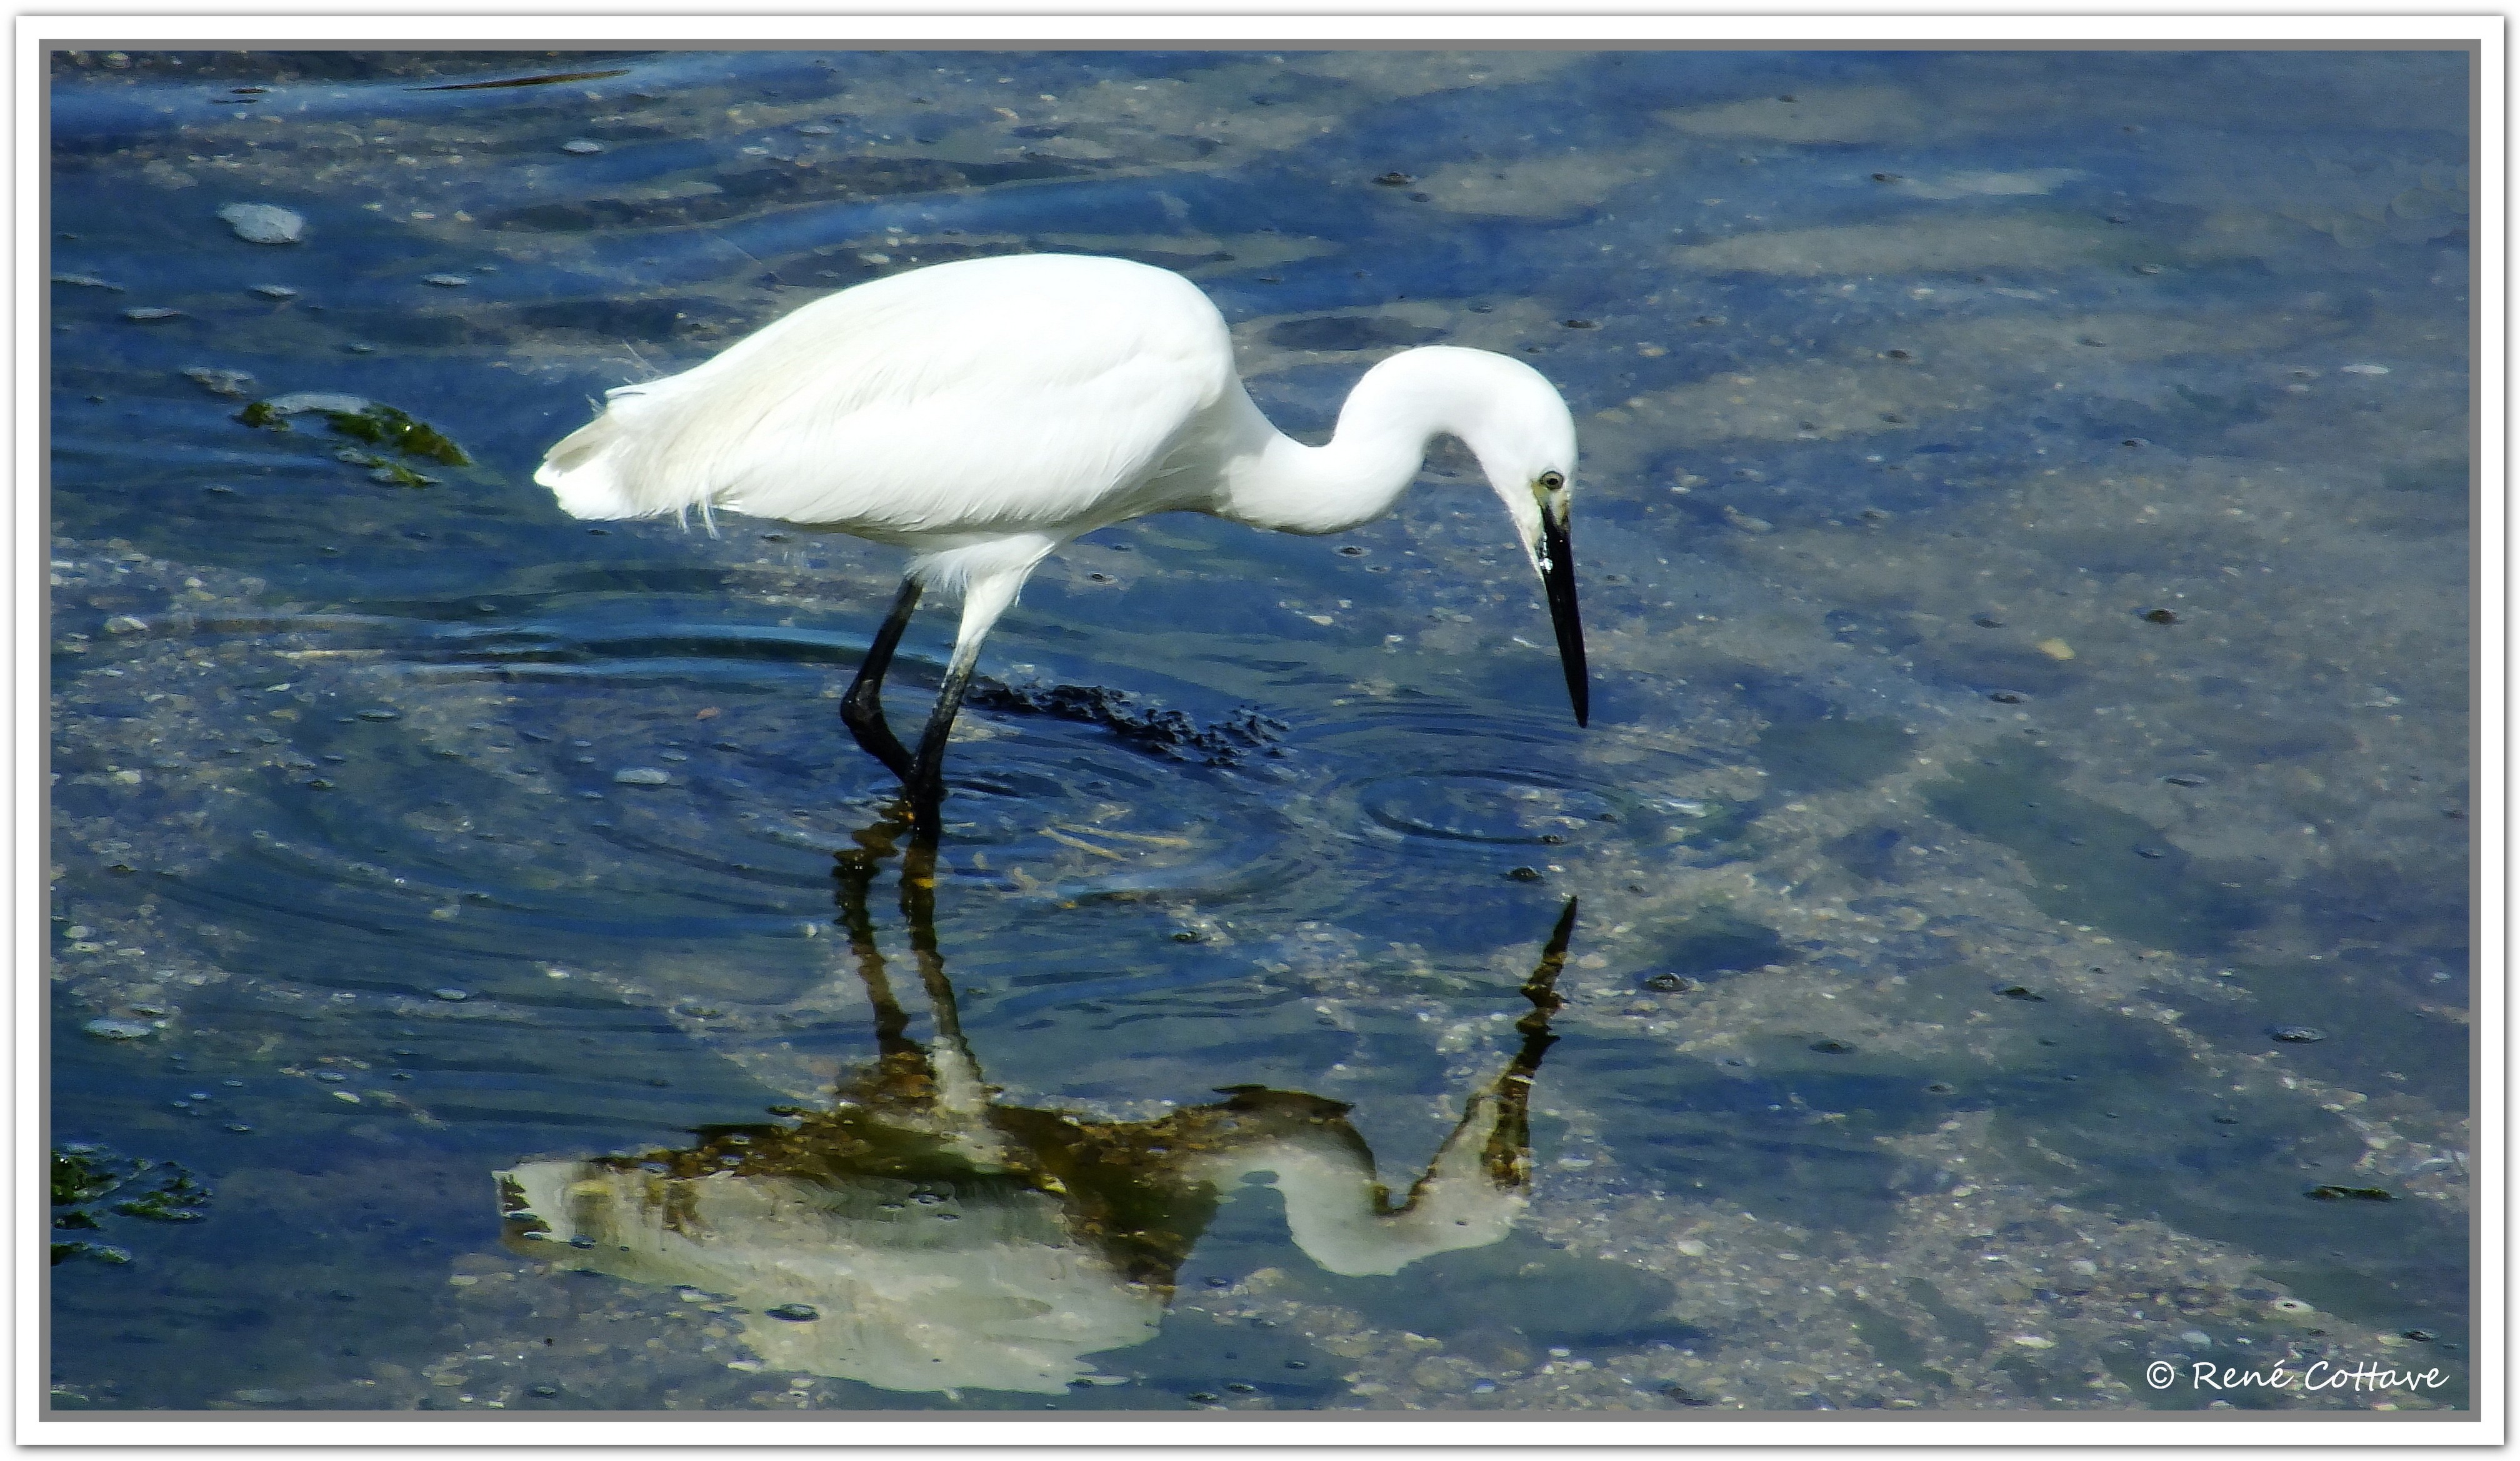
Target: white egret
[[983, 413]]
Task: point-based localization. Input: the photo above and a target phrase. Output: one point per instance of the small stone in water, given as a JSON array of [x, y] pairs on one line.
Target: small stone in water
[[642, 776], [275, 292], [334, 1077], [546, 1392], [1669, 984], [2298, 1035], [2160, 616], [263, 223], [118, 1029], [380, 715], [794, 1313], [817, 129], [453, 995], [326, 401], [220, 382], [1523, 875], [238, 1127], [445, 280], [582, 145], [1832, 1047], [151, 314], [86, 282], [2184, 780]]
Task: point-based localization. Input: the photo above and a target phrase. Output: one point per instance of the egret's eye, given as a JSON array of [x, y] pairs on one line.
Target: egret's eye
[[1550, 481]]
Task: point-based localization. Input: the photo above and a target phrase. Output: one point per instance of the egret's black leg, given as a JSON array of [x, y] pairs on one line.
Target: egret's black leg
[[862, 708], [925, 779]]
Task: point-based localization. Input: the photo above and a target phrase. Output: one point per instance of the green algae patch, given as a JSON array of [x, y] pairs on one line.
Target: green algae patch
[[372, 422], [85, 1174], [82, 1174], [385, 426], [386, 470]]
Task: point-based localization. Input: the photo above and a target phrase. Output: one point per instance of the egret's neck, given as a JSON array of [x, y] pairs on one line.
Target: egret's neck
[[1399, 407]]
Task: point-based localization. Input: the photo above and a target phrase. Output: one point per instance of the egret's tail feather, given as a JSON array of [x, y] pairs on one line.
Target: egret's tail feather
[[604, 469], [580, 474]]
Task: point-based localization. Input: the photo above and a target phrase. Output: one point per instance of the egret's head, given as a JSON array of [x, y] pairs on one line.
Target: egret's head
[[1519, 427], [1525, 443]]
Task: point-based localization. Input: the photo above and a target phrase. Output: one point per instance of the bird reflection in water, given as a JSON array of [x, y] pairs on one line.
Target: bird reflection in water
[[920, 1235]]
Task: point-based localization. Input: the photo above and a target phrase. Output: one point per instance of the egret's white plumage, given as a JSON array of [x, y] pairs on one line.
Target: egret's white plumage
[[982, 413]]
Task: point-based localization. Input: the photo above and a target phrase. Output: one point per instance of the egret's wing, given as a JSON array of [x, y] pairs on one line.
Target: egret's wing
[[1000, 395]]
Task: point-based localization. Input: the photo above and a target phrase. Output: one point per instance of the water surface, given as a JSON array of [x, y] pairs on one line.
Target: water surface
[[2020, 847]]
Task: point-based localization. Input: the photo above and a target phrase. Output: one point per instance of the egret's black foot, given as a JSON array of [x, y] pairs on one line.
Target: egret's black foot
[[926, 804], [862, 711]]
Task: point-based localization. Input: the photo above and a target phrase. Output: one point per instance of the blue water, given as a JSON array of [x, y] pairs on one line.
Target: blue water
[[2023, 524]]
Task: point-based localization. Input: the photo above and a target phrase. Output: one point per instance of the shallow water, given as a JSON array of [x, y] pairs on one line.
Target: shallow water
[[2024, 534]]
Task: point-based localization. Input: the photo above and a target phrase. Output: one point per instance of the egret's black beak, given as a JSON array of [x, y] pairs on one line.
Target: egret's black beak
[[1557, 574]]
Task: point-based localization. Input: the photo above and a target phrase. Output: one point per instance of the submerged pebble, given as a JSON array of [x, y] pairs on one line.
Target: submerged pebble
[[642, 776], [797, 1314], [445, 280], [2298, 1035], [218, 381], [326, 401], [275, 292], [452, 995], [263, 223], [118, 1029], [151, 314], [582, 145]]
